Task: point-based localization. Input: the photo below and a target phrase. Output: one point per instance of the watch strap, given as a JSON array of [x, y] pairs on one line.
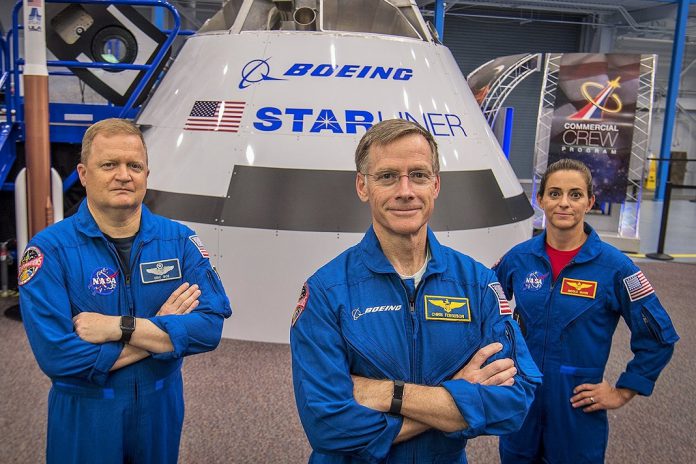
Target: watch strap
[[397, 398], [127, 325]]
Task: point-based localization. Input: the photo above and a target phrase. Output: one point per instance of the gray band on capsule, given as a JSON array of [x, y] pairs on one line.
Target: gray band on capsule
[[325, 201]]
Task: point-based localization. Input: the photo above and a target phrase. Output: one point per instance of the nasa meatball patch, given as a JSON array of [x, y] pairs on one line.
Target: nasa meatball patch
[[31, 262], [301, 303], [534, 281], [103, 281]]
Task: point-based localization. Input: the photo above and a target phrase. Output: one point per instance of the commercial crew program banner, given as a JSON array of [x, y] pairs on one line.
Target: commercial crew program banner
[[593, 117]]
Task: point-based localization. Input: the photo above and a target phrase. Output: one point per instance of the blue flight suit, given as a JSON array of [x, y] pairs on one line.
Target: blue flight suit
[[357, 316], [133, 414], [568, 325]]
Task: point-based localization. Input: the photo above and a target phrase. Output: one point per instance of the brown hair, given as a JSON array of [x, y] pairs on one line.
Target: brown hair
[[566, 164], [388, 131], [108, 127]]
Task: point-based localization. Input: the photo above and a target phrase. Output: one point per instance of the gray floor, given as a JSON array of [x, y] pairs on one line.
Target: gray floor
[[681, 227], [240, 407]]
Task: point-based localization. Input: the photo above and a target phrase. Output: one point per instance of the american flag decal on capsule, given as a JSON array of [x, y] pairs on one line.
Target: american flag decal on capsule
[[220, 116]]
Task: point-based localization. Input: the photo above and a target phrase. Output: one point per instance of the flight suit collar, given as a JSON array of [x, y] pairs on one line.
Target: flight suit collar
[[374, 259], [589, 250], [88, 226]]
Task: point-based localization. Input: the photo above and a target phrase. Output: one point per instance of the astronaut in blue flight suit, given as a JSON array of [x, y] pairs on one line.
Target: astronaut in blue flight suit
[[570, 290], [402, 349], [109, 311]]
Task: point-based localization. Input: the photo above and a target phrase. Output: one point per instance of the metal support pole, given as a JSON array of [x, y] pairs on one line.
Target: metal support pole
[[672, 94], [4, 258], [37, 146], [440, 19], [660, 254], [507, 132]]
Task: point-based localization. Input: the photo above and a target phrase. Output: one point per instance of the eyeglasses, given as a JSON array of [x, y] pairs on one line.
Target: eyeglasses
[[391, 178]]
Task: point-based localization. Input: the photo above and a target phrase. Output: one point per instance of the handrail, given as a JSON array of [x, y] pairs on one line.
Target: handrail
[[148, 68], [10, 115], [4, 64]]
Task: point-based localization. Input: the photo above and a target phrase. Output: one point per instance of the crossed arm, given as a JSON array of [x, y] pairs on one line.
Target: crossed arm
[[425, 407], [147, 338]]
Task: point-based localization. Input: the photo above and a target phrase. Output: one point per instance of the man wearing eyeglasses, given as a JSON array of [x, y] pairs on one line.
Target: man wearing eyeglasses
[[402, 348]]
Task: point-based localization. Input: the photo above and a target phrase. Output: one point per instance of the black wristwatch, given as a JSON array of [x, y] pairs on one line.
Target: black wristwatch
[[397, 398], [127, 328]]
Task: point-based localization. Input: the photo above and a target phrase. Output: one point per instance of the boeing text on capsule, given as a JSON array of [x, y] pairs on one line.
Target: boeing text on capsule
[[259, 70], [349, 71]]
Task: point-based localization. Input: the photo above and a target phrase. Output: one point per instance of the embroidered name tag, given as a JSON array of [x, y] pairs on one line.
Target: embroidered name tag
[[577, 287], [159, 271], [447, 308]]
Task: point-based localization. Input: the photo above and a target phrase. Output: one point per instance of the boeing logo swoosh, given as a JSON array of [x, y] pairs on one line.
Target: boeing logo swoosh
[[256, 71]]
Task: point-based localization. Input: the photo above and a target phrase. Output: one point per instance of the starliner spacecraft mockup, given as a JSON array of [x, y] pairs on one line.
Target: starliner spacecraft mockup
[[252, 132]]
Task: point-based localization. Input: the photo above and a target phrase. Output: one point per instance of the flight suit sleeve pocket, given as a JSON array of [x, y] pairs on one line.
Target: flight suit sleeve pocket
[[519, 352], [658, 323]]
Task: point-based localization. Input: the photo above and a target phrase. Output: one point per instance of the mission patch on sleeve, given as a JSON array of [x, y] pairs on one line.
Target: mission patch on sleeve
[[31, 262]]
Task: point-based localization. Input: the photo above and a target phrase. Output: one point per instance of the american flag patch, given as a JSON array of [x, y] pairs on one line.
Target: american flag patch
[[222, 116], [638, 286], [199, 244], [503, 303], [301, 303]]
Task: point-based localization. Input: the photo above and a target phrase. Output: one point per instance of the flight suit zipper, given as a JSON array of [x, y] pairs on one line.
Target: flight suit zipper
[[129, 299], [412, 330], [126, 277], [549, 305], [651, 325]]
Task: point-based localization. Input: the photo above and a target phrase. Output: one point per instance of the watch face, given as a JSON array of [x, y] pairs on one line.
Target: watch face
[[127, 323]]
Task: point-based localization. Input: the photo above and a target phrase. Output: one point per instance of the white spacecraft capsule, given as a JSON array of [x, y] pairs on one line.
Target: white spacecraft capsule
[[251, 138]]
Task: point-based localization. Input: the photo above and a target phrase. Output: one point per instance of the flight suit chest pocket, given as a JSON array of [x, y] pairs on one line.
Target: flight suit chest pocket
[[95, 289], [448, 346], [377, 340], [570, 309]]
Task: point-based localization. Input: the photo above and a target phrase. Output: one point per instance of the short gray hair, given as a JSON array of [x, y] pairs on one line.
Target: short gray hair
[[108, 127], [385, 132]]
